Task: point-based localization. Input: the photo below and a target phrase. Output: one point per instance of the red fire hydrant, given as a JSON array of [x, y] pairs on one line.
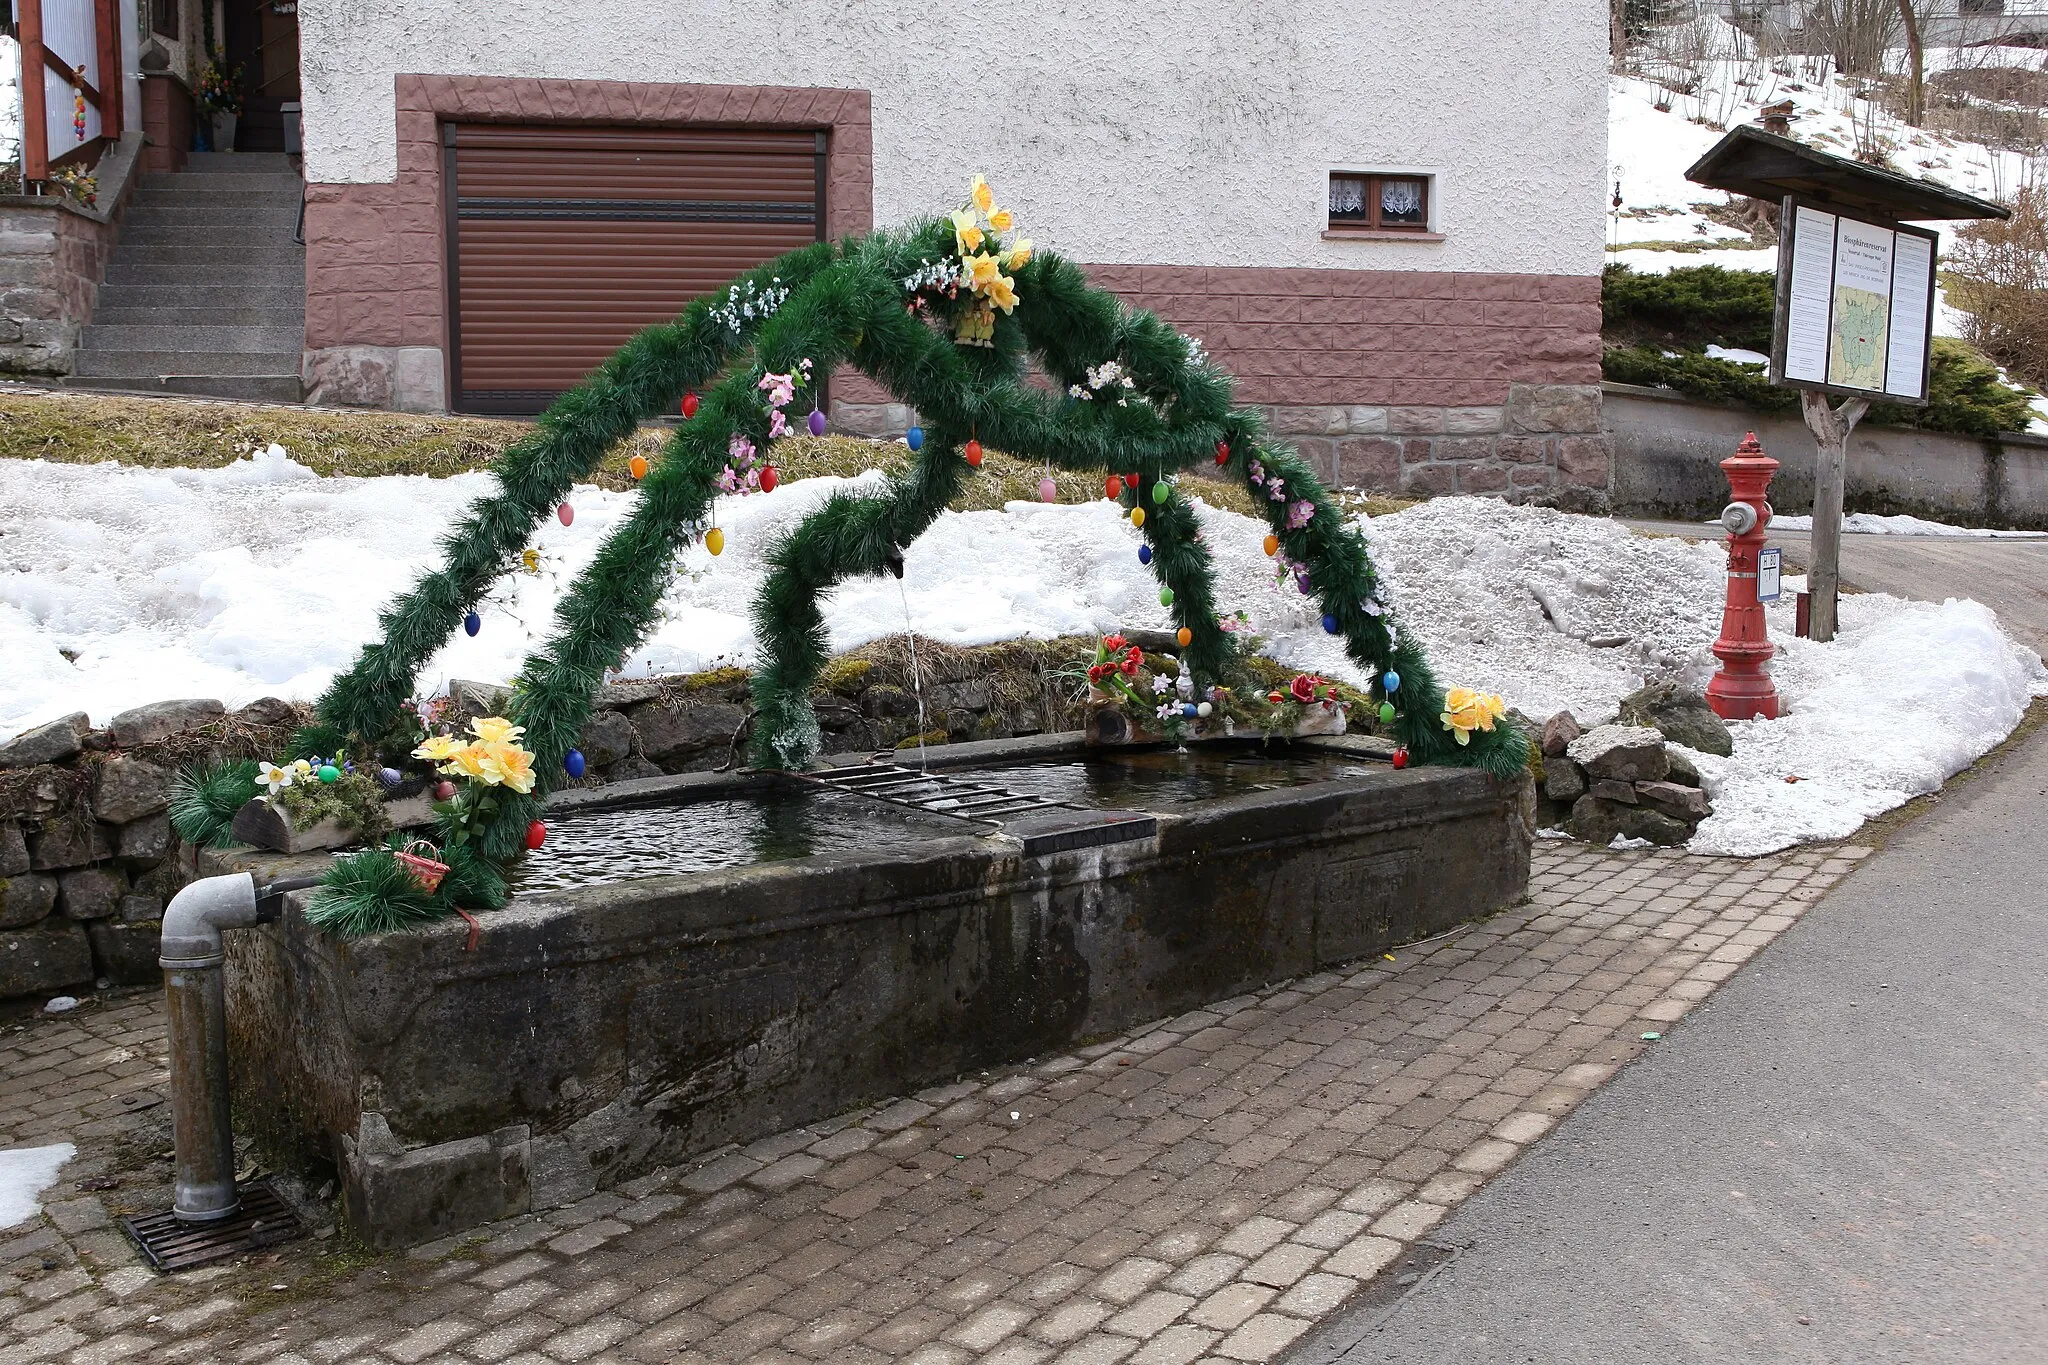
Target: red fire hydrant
[[1742, 690]]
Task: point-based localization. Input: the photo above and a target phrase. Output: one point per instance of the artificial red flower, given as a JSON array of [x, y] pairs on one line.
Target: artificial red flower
[[1132, 660], [1276, 697], [1303, 687], [1100, 671], [1113, 643]]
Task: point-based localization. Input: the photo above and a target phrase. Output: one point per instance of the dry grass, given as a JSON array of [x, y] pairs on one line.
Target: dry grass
[[161, 433]]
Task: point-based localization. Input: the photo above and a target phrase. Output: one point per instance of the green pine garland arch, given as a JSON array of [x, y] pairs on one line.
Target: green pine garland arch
[[846, 303]]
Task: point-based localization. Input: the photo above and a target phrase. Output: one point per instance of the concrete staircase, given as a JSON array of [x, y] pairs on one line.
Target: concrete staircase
[[206, 290]]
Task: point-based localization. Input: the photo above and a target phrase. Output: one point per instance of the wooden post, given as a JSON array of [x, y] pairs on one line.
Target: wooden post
[[1830, 428], [35, 128]]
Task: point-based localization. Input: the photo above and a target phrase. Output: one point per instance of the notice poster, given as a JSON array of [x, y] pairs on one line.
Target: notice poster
[[1812, 250], [1854, 303]]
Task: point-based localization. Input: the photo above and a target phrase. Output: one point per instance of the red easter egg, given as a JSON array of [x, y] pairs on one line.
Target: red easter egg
[[689, 405], [974, 454], [1401, 757], [565, 514], [444, 791], [536, 834], [769, 478], [1113, 486], [1223, 452]]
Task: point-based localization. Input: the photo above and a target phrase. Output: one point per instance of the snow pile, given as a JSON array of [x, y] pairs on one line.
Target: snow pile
[[1871, 524], [25, 1172], [1908, 695], [122, 586]]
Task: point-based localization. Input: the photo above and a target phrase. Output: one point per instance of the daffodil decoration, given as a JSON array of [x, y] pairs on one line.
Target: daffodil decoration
[[1466, 710], [988, 259], [494, 757]]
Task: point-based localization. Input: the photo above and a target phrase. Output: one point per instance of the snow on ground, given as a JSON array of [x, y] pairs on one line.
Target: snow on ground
[[1871, 524], [25, 1172], [121, 586]]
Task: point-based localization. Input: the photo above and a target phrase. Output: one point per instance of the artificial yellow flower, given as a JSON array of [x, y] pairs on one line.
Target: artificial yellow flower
[[1018, 254], [508, 765], [466, 761], [302, 767], [1466, 710], [496, 730], [1002, 292], [982, 271], [1000, 220], [437, 748], [967, 232], [984, 197]]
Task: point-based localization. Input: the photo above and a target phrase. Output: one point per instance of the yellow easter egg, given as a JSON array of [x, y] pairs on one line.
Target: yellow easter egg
[[714, 540], [1137, 516]]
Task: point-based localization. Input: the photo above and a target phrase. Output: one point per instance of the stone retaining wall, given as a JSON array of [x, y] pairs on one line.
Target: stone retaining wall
[[53, 256]]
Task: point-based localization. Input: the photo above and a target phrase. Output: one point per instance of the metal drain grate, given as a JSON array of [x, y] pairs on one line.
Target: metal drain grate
[[170, 1245], [937, 793]]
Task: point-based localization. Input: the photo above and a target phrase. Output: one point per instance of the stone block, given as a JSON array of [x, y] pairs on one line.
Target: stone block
[[1482, 478], [672, 732], [144, 841], [1462, 448], [1584, 460], [69, 842], [607, 737], [1621, 793], [33, 961], [39, 793], [1554, 407], [473, 699], [398, 1199], [1428, 480], [50, 743], [419, 379], [1620, 753], [1560, 730], [137, 907], [162, 719], [1370, 464], [1311, 421], [268, 711], [26, 898], [1562, 780], [1471, 421], [1680, 716], [350, 376], [129, 789], [1679, 802], [1416, 421], [1365, 421], [1683, 770], [1529, 450], [1598, 822], [13, 849], [1321, 454], [92, 892], [972, 695], [125, 952], [887, 701]]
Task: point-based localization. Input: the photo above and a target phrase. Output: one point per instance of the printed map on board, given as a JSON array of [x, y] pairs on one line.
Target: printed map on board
[[1858, 337]]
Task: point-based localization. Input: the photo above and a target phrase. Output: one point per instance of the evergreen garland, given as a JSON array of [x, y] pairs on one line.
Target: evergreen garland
[[847, 304]]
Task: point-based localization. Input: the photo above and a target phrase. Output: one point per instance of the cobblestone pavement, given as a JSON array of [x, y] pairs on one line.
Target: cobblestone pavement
[[1202, 1189]]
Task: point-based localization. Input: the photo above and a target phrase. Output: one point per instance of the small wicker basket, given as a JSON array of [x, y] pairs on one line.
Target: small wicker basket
[[425, 870]]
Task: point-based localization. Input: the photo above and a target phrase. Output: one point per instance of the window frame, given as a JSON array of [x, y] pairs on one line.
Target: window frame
[[1371, 228], [169, 12]]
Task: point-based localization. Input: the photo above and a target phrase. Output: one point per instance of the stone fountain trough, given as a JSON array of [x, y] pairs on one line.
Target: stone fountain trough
[[615, 1017]]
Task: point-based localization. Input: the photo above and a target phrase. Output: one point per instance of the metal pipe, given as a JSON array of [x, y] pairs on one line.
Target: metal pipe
[[193, 956]]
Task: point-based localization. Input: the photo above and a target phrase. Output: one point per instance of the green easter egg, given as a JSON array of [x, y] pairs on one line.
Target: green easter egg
[[1386, 713], [1166, 597]]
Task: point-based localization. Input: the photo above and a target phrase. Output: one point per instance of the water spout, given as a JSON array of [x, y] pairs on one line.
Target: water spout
[[916, 679]]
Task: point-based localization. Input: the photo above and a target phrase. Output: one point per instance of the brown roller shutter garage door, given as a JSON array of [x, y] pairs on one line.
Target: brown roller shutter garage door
[[564, 240]]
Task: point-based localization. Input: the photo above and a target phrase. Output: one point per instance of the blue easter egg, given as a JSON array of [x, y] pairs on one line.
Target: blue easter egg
[[1189, 709], [573, 762], [914, 438], [1144, 554], [390, 777], [472, 623], [1330, 623], [1390, 681]]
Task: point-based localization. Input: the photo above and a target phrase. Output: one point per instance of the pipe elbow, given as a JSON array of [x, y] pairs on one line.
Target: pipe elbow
[[195, 917]]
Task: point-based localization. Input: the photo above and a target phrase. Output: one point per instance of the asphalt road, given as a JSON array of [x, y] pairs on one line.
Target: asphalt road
[[1841, 1157], [2008, 576]]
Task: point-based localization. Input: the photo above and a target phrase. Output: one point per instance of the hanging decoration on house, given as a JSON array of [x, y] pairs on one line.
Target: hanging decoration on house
[[78, 102], [947, 314]]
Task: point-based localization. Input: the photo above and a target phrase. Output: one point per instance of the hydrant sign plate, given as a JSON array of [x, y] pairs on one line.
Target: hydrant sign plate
[[1769, 566]]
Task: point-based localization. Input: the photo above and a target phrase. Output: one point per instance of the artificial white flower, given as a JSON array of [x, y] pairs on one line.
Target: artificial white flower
[[274, 778]]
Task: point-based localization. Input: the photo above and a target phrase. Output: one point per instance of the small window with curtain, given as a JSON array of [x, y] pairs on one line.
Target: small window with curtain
[[1390, 202], [163, 17]]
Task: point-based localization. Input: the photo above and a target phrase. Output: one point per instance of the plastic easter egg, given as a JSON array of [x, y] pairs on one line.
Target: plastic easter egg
[[817, 422], [914, 438], [536, 835], [444, 791], [1185, 636], [1401, 757], [1166, 597], [714, 541], [472, 623], [1386, 713], [1301, 582], [1204, 710], [390, 777], [769, 478], [1390, 681], [565, 514], [689, 405], [1331, 624], [1223, 452], [1272, 545], [1137, 516], [573, 763], [1144, 554], [1189, 710], [973, 453], [1113, 487], [638, 466], [1161, 491], [1048, 491], [328, 773]]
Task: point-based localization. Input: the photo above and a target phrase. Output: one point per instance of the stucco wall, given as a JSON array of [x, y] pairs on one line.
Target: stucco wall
[[1183, 132]]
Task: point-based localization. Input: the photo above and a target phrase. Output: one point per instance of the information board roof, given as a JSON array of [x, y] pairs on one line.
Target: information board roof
[[1765, 166]]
